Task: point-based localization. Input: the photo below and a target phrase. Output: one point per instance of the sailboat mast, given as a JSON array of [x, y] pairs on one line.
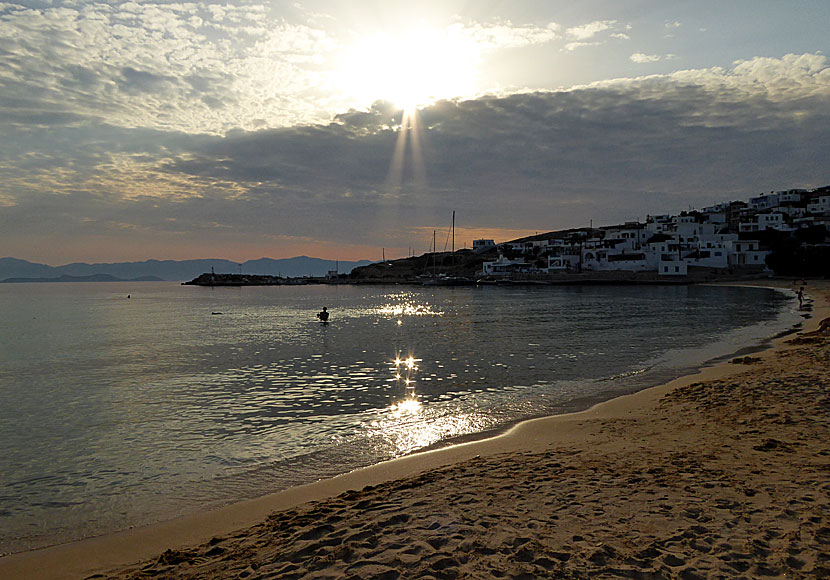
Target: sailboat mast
[[453, 232], [434, 256]]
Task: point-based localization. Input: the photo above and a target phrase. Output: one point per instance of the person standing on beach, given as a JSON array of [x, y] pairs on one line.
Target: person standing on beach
[[799, 295], [324, 315]]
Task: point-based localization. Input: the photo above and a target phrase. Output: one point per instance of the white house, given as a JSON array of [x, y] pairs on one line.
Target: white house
[[503, 267], [770, 221], [483, 245], [745, 253], [561, 262], [763, 221], [751, 225], [658, 223], [791, 196], [715, 217], [673, 268], [632, 235], [713, 257], [690, 231], [792, 211], [820, 205], [718, 208], [763, 202]]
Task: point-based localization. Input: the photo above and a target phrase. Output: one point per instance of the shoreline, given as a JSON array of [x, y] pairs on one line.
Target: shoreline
[[105, 553]]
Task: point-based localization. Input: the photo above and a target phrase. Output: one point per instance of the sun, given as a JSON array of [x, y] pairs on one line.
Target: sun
[[409, 69]]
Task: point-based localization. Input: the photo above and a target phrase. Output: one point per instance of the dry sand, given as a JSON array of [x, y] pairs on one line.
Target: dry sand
[[720, 475]]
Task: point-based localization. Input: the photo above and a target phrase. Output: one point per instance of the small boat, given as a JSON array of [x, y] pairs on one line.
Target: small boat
[[452, 281]]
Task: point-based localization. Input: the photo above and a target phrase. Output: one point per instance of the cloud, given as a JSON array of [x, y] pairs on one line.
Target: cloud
[[586, 34], [572, 46], [777, 80], [641, 58], [191, 67], [501, 35], [607, 151], [670, 27], [590, 30]]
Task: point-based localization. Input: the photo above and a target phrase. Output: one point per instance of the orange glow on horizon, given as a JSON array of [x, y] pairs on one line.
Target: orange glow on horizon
[[140, 246]]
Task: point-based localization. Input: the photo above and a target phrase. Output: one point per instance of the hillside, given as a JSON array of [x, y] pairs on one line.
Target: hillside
[[462, 263]]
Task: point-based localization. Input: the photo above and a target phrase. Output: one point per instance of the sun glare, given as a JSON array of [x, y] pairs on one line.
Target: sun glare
[[411, 69]]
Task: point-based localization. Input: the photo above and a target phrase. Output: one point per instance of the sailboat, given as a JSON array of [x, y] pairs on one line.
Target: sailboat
[[443, 279]]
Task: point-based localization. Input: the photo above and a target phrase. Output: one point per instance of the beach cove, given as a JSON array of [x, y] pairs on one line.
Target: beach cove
[[119, 413], [723, 473]]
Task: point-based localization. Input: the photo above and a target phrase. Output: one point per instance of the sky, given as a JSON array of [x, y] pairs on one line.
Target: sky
[[350, 130]]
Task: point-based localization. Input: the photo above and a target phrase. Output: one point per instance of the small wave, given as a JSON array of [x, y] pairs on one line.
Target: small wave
[[627, 374]]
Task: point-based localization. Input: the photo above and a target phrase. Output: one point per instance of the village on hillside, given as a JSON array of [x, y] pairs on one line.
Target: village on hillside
[[731, 236], [784, 233]]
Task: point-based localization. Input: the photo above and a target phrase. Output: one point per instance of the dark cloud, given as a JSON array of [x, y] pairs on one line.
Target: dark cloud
[[542, 160], [558, 157]]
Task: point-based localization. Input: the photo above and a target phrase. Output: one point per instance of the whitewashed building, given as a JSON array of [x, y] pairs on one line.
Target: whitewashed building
[[745, 253], [791, 196], [504, 267], [670, 245], [563, 262], [820, 205], [763, 202], [673, 268], [483, 245]]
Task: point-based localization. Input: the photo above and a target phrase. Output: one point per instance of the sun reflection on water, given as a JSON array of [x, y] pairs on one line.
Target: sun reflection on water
[[405, 305], [409, 406], [408, 424], [404, 375]]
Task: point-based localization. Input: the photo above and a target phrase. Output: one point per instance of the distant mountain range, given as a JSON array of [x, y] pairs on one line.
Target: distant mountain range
[[16, 270], [93, 278]]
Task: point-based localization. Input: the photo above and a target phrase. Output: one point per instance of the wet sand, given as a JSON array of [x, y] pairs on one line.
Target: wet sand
[[724, 474]]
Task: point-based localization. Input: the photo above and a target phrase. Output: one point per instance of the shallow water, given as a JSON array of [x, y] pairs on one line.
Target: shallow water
[[116, 412]]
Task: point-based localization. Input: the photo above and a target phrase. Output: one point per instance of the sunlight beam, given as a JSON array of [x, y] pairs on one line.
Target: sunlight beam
[[410, 133]]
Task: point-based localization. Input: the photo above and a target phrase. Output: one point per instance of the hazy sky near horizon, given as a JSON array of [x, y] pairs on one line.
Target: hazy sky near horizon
[[242, 129]]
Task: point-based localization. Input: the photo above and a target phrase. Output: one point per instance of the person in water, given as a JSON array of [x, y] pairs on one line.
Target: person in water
[[323, 316]]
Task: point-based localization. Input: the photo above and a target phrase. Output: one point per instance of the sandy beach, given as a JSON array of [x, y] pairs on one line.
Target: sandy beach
[[723, 474]]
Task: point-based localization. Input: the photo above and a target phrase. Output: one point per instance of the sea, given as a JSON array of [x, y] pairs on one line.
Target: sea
[[124, 404]]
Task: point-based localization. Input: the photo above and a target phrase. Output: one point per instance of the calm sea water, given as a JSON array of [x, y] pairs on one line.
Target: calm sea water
[[117, 412]]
